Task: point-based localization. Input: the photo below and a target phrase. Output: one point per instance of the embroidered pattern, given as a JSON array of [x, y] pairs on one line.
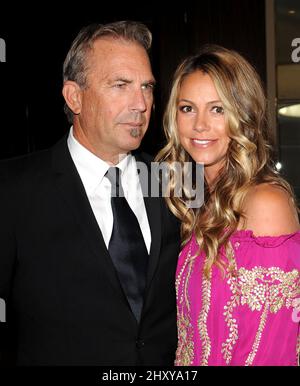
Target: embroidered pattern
[[257, 340], [202, 321], [266, 290], [262, 289], [260, 285], [234, 301], [185, 348]]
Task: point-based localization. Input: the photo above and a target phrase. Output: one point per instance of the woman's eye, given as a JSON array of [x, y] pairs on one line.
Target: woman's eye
[[218, 109], [186, 109]]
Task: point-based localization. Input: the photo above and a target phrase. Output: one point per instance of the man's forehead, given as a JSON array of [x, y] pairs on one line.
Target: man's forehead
[[116, 60], [111, 45], [126, 76]]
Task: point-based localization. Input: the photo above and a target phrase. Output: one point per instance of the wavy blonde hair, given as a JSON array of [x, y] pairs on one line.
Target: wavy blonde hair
[[247, 163]]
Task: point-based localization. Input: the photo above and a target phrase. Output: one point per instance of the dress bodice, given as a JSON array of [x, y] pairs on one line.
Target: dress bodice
[[245, 316]]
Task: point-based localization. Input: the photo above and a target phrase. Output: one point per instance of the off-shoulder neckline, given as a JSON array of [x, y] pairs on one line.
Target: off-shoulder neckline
[[246, 235], [266, 241], [250, 233]]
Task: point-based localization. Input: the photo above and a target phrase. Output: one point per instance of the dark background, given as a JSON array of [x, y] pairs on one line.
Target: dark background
[[38, 38]]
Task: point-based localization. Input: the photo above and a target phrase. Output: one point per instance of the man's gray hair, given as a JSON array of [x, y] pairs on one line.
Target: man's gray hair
[[75, 64]]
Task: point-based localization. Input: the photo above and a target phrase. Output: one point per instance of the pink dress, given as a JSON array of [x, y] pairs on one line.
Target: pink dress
[[250, 318]]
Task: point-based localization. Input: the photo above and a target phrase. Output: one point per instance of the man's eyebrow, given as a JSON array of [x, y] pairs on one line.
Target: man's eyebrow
[[150, 81], [120, 79], [128, 81]]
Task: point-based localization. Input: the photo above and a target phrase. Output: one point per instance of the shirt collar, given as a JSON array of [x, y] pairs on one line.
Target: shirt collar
[[90, 167]]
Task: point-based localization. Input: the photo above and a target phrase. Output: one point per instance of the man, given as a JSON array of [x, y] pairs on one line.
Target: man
[[88, 277]]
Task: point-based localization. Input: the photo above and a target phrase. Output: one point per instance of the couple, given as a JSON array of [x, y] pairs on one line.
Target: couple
[[89, 267]]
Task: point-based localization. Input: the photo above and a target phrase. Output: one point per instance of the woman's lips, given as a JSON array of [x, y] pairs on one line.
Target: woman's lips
[[203, 143]]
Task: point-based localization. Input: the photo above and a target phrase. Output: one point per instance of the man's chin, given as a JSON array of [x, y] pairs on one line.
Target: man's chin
[[136, 132]]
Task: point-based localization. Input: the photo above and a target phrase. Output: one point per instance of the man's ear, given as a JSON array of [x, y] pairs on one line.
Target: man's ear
[[72, 94]]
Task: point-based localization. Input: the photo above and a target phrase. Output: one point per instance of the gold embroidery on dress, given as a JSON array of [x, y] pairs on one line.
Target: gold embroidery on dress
[[202, 321], [261, 289], [257, 339], [179, 277], [234, 301], [185, 348], [269, 289]]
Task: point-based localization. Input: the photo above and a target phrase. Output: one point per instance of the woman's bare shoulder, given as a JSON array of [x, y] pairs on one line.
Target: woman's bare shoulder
[[270, 211]]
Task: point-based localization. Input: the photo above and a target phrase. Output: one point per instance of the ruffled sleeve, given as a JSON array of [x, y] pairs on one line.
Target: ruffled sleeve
[[268, 281], [266, 241], [282, 251]]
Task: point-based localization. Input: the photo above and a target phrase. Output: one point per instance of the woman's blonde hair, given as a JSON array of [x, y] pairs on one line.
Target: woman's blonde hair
[[248, 159]]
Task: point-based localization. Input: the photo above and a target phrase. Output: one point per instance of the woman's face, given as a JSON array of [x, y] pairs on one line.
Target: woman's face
[[201, 122]]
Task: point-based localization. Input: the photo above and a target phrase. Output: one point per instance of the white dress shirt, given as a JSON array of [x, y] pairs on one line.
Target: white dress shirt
[[91, 170]]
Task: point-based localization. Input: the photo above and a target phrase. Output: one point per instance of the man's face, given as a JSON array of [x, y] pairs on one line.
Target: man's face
[[116, 104]]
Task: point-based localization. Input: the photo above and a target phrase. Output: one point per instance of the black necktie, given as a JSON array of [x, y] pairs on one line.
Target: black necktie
[[126, 246]]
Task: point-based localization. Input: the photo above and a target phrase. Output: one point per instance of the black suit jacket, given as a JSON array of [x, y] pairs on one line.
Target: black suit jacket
[[65, 305]]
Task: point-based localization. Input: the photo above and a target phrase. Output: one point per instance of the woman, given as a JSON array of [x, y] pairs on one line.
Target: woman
[[238, 278]]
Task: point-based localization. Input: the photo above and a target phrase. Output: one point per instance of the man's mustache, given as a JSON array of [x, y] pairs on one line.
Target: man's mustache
[[134, 119]]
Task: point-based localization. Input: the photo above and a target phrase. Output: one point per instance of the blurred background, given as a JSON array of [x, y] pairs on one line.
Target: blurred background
[[38, 37]]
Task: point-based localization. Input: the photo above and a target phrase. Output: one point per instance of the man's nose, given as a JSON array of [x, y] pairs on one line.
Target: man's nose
[[138, 101]]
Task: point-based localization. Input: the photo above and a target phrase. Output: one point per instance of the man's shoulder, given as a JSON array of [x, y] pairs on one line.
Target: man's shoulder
[[27, 163]]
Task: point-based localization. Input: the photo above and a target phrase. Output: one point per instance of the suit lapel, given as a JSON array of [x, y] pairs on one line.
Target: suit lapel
[[154, 218], [72, 191], [153, 209]]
